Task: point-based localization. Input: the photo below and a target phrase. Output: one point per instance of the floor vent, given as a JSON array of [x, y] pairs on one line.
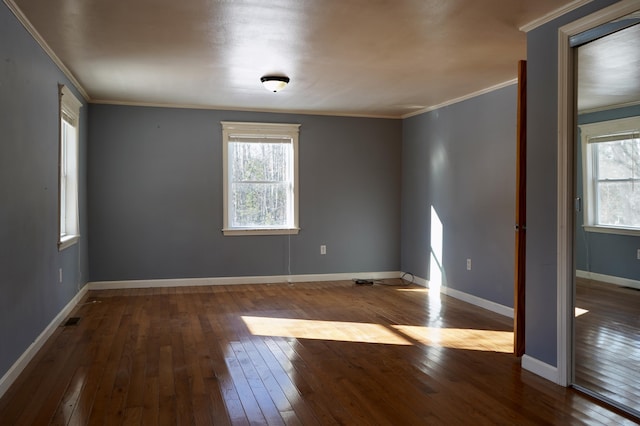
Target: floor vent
[[71, 321]]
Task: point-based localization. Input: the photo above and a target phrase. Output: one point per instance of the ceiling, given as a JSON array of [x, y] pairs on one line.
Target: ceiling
[[377, 58], [609, 70]]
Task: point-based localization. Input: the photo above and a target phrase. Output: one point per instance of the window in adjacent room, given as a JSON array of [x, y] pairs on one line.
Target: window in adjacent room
[[260, 167], [611, 178], [68, 168]]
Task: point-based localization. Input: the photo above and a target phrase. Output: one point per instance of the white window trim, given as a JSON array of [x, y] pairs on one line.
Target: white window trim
[[70, 106], [587, 132], [244, 128]]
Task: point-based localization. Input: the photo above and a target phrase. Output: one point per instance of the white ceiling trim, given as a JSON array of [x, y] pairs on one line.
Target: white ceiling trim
[[222, 108], [327, 113], [553, 15], [43, 44], [608, 107], [462, 98]]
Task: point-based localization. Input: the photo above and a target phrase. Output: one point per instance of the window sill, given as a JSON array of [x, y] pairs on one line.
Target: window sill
[[258, 231], [612, 230], [67, 241]]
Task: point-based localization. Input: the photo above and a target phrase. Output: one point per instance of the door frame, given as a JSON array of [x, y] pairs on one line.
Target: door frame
[[565, 181], [519, 290]]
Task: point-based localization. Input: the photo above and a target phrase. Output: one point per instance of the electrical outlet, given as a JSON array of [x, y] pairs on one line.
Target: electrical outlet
[[323, 249], [60, 275], [468, 264]]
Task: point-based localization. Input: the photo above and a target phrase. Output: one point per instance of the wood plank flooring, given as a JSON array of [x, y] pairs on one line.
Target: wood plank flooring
[[607, 358], [329, 353]]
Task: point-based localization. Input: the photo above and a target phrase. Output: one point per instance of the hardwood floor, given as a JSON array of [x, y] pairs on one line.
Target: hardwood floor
[[607, 344], [310, 354]]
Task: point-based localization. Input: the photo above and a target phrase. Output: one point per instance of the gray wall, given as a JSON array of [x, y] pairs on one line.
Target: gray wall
[[608, 254], [156, 191], [155, 179], [542, 140], [461, 159], [30, 294]]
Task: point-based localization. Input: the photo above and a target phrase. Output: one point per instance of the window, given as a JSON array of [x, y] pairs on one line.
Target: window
[[68, 167], [260, 185], [611, 178]]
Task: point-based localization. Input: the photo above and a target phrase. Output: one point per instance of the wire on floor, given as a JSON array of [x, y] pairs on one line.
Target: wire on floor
[[390, 282]]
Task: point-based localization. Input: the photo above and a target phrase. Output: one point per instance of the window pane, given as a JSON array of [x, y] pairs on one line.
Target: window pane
[[619, 203], [259, 162], [618, 159], [65, 141], [260, 182], [260, 205]]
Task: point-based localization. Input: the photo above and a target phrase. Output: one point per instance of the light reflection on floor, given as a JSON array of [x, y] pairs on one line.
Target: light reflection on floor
[[323, 330], [413, 289], [580, 311], [460, 338], [455, 338]]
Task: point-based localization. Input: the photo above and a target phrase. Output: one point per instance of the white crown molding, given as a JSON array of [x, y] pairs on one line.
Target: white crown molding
[[538, 22], [12, 374], [462, 98], [321, 113], [43, 44], [224, 108], [47, 49], [609, 107]]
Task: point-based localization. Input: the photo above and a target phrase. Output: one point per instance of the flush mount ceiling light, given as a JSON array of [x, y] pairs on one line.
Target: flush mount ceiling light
[[274, 83]]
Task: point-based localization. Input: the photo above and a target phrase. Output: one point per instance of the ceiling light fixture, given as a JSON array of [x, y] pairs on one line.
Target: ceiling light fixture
[[274, 83]]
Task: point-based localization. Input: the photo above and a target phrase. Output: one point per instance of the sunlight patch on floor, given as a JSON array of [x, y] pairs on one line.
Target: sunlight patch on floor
[[323, 330], [454, 338], [460, 338], [580, 311], [413, 290]]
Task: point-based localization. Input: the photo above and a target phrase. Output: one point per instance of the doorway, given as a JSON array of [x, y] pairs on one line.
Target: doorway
[[600, 312]]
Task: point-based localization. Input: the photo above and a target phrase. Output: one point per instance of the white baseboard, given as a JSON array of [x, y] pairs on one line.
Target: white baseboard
[[540, 368], [528, 363], [12, 374], [469, 298], [22, 362], [478, 301], [622, 282], [420, 281], [270, 279]]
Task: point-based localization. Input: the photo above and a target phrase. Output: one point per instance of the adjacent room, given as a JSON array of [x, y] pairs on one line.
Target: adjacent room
[[295, 212]]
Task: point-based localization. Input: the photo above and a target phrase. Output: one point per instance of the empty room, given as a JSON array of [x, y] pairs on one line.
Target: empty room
[[305, 212]]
